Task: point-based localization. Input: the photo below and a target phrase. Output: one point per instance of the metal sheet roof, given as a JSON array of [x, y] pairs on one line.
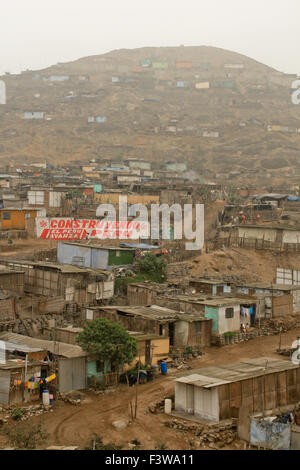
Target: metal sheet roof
[[64, 268], [57, 348], [210, 377], [155, 312]]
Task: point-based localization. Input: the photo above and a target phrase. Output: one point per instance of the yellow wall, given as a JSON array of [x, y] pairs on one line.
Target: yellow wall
[[17, 218], [161, 348]]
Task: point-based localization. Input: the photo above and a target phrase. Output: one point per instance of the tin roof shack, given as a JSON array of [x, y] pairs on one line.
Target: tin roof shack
[[215, 394], [48, 198], [147, 293], [224, 312], [278, 199], [277, 237], [73, 283], [138, 163], [253, 212], [176, 166], [13, 218], [12, 376], [278, 299], [14, 371], [210, 286], [11, 287], [69, 361], [94, 256], [152, 348], [182, 329], [12, 280]]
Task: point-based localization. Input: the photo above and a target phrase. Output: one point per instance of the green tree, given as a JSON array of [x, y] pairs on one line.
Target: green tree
[[153, 267], [108, 341]]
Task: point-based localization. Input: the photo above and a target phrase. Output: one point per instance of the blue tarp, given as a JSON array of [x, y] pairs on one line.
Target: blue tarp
[[293, 198], [141, 246]]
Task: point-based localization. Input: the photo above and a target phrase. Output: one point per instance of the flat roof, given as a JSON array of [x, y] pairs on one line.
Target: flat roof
[[217, 301], [155, 312], [209, 377], [11, 347], [17, 363], [57, 348], [5, 271], [257, 285], [269, 227], [210, 281], [22, 208], [94, 245], [64, 268], [270, 286]]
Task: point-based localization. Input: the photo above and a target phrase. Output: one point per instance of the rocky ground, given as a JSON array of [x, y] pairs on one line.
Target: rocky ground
[[107, 415]]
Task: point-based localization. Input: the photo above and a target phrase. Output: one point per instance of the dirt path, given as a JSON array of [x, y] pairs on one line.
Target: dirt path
[[70, 425]]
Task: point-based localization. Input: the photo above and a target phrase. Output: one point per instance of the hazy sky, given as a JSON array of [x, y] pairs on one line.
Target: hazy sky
[[35, 33]]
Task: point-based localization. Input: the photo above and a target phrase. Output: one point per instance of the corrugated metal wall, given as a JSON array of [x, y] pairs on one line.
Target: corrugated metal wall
[[72, 374], [4, 387]]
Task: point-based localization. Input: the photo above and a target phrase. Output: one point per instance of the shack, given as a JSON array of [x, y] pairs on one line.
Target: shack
[[73, 283], [182, 329], [152, 348], [16, 219], [68, 361], [94, 256], [210, 286], [216, 393], [12, 280]]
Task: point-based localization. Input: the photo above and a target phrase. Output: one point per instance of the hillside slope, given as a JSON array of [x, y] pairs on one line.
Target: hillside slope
[[207, 106]]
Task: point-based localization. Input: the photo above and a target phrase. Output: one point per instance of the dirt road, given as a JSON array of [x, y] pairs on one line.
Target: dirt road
[[75, 425]]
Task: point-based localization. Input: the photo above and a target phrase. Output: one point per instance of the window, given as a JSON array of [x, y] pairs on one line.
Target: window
[[197, 327], [118, 254], [6, 216], [99, 366], [229, 312]]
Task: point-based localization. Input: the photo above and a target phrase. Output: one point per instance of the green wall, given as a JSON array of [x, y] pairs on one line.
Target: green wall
[[212, 313], [126, 257]]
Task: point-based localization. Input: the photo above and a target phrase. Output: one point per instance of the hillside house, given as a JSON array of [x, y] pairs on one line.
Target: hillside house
[[182, 329], [44, 357], [33, 115], [16, 219], [94, 256], [73, 283], [215, 394]]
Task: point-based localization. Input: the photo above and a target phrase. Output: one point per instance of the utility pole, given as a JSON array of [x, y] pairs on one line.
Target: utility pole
[[280, 330], [136, 390]]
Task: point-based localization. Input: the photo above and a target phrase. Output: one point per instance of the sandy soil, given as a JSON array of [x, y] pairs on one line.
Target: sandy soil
[[75, 425], [24, 246], [248, 264]]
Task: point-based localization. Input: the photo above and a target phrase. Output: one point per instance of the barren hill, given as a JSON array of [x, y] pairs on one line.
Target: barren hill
[[215, 109]]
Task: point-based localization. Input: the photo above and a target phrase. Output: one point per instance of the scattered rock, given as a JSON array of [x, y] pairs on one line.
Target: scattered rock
[[120, 424]]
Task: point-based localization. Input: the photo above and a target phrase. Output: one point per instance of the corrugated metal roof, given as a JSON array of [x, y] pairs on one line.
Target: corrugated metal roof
[[11, 347], [155, 312], [58, 348], [98, 247], [64, 268], [209, 377]]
